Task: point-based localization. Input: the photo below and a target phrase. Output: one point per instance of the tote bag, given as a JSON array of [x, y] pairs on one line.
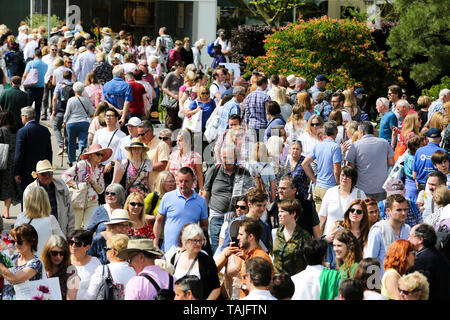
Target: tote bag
[[32, 78], [79, 192], [194, 122]]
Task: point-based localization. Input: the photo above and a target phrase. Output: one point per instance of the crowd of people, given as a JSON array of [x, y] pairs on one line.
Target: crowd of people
[[264, 188]]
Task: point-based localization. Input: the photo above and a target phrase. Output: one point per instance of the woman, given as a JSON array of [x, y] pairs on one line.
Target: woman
[[289, 239], [352, 135], [76, 121], [56, 260], [441, 197], [204, 103], [171, 86], [185, 92], [399, 258], [92, 89], [79, 244], [336, 115], [261, 169], [166, 136], [185, 156], [414, 143], [356, 219], [276, 147], [338, 198], [294, 168], [193, 261], [350, 105], [186, 52], [174, 54], [121, 272], [413, 286], [102, 69], [119, 223], [89, 170], [241, 208], [364, 273], [59, 68], [37, 213], [115, 53], [136, 210], [295, 125], [154, 68], [373, 212], [409, 129], [311, 137], [348, 253], [98, 121], [135, 169], [423, 103], [145, 41], [150, 48], [26, 265], [274, 118], [9, 189], [132, 48], [304, 99], [129, 64], [114, 198], [279, 95]]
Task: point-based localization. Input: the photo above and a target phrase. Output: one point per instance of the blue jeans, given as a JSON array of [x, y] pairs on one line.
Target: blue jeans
[[74, 130], [215, 223]]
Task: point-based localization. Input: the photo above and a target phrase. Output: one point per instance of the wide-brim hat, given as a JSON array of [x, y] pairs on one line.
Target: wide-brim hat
[[68, 35], [82, 49], [291, 79], [200, 42], [43, 166], [137, 143], [106, 31], [54, 30], [137, 245], [119, 216], [70, 49], [94, 148]]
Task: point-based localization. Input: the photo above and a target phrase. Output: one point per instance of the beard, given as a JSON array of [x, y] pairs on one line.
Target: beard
[[244, 244]]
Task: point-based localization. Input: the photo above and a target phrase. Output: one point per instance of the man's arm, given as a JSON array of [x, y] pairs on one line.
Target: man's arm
[[204, 224], [157, 228], [337, 171], [391, 162], [306, 164], [126, 107]]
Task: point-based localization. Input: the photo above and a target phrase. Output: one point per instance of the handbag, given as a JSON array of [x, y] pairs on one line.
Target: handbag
[[32, 78], [169, 103], [78, 193], [193, 122], [4, 152], [212, 126], [109, 290]]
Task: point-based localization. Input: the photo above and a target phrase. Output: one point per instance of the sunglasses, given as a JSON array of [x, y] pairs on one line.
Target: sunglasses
[[107, 249], [143, 134], [241, 207], [19, 242], [315, 124], [204, 93], [406, 292], [108, 193], [48, 173], [358, 211], [144, 65], [139, 204], [164, 138], [99, 154], [77, 244], [57, 253]]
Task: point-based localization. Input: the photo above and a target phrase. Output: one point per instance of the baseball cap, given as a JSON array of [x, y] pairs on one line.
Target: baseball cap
[[395, 186], [433, 133], [291, 79], [134, 121], [321, 77]]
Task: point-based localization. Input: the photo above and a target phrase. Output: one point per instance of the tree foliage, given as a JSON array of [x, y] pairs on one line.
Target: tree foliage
[[433, 92], [421, 40], [342, 50], [41, 20]]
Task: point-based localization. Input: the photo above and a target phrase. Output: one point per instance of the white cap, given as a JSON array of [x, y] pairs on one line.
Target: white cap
[[134, 121], [291, 79]]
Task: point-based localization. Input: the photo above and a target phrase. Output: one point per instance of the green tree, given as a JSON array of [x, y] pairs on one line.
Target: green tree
[[41, 20], [420, 43]]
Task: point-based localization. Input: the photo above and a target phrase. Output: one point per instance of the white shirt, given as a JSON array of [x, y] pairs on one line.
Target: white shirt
[[308, 143], [306, 282], [85, 273], [216, 87], [334, 206], [48, 60], [121, 273], [373, 295], [346, 117], [103, 137], [28, 51], [21, 40], [257, 294], [84, 64], [59, 74]]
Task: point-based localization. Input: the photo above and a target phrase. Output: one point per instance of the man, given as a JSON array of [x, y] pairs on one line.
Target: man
[[147, 76], [63, 92], [387, 121], [395, 94], [255, 111], [32, 145], [158, 150], [422, 159], [287, 190], [283, 81], [30, 47], [141, 255], [218, 57], [132, 125], [425, 197], [384, 232], [329, 157], [225, 45], [351, 289], [85, 62], [48, 89], [337, 101], [403, 109], [436, 106], [300, 86], [274, 83], [290, 79], [320, 83], [118, 93], [14, 99], [219, 189], [231, 107], [36, 92], [217, 87], [58, 195], [239, 137], [371, 156], [140, 98], [258, 275], [180, 207], [189, 287], [14, 62], [165, 40], [430, 262], [249, 235]]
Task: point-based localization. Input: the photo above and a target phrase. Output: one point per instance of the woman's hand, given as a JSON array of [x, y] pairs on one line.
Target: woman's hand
[[89, 179], [228, 251]]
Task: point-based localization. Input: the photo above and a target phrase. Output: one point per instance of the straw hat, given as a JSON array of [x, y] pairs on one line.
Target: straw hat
[[68, 35], [200, 42], [81, 49], [42, 166], [119, 216], [137, 143], [106, 31], [94, 148], [54, 30], [136, 245], [70, 49]]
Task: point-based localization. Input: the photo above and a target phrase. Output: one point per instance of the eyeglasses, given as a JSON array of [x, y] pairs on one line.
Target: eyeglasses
[[241, 207], [108, 193], [131, 258], [315, 124], [196, 241], [69, 62], [358, 211], [164, 138], [139, 204], [19, 242], [48, 173], [57, 253], [143, 134], [144, 65], [77, 244]]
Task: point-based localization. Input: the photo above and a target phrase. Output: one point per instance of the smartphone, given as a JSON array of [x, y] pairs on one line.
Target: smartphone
[[235, 242], [339, 227]]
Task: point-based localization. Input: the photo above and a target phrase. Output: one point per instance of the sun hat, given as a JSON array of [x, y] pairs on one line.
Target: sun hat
[[137, 245], [119, 216], [82, 49], [43, 166], [137, 143], [68, 35], [54, 30], [70, 49], [394, 186], [106, 31], [291, 79], [94, 148]]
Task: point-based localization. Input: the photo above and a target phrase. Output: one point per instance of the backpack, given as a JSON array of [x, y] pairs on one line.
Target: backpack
[[109, 290], [66, 93], [210, 49], [161, 294], [443, 238]]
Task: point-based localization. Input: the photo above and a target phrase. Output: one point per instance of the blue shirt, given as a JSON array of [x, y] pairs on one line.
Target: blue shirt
[[327, 153], [314, 91], [229, 108], [179, 211], [117, 91], [42, 70], [422, 161], [278, 120], [207, 109], [387, 121]]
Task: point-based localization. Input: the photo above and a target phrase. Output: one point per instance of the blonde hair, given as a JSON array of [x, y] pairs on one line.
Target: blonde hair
[[438, 120], [117, 242], [159, 182], [304, 99], [280, 95], [56, 241], [411, 124], [308, 125], [441, 196], [416, 281], [189, 76], [424, 102], [37, 203], [58, 62], [296, 117], [446, 107], [352, 129], [260, 153], [144, 155], [350, 99], [139, 197]]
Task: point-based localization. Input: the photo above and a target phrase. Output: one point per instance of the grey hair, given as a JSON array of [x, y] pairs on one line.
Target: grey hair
[[29, 112], [119, 190], [118, 70], [146, 124], [274, 144], [300, 80], [190, 231], [166, 132], [403, 102], [443, 92], [153, 58], [238, 90], [330, 128], [366, 127], [78, 87], [384, 101]]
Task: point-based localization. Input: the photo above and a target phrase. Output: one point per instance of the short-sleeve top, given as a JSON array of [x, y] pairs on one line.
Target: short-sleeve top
[[137, 178], [190, 159]]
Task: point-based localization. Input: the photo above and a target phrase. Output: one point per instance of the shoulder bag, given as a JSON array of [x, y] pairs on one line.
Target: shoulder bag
[[4, 151], [169, 102], [32, 78], [78, 193]]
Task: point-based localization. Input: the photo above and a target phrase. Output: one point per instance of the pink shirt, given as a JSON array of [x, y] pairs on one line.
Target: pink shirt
[[139, 288]]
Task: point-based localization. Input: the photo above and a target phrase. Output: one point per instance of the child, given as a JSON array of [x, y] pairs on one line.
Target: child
[[440, 161], [414, 143]]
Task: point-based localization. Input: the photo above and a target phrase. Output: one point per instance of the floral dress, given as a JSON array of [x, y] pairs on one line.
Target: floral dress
[[137, 178], [177, 161], [146, 231], [78, 173], [35, 264]]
